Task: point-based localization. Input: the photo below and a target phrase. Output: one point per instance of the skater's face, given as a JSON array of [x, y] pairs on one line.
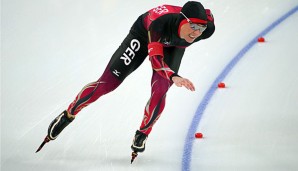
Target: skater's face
[[189, 31], [188, 34]]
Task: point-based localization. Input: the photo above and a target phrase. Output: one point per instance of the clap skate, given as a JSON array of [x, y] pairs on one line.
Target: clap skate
[[56, 127], [138, 144]]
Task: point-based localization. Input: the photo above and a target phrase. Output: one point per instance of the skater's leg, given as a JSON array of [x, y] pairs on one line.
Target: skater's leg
[[92, 91], [127, 58], [156, 103], [152, 112], [159, 88]]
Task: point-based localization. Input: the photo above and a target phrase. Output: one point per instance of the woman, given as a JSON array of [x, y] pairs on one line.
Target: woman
[[163, 34]]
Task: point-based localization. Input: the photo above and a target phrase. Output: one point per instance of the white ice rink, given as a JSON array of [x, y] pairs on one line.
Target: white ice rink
[[50, 49]]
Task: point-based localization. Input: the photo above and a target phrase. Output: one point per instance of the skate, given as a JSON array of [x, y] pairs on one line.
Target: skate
[[56, 127], [138, 144]]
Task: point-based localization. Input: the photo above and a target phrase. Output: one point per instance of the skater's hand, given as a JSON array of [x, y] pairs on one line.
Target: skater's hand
[[179, 82]]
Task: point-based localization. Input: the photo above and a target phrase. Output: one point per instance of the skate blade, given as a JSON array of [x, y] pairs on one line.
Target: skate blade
[[133, 156], [46, 140]]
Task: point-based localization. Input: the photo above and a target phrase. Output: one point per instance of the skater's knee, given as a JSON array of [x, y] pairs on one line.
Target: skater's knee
[[160, 90]]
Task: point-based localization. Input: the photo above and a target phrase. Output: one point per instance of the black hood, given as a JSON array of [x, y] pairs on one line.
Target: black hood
[[193, 9]]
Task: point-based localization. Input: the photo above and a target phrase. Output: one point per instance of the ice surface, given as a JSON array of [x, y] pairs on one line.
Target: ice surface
[[51, 49]]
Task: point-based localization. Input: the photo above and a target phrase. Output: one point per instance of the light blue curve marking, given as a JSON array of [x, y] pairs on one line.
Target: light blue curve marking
[[187, 151]]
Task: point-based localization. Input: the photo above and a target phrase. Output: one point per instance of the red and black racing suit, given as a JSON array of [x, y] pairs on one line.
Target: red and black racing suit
[[161, 25]]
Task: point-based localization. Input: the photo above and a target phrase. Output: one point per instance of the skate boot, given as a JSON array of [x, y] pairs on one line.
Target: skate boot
[[58, 124], [56, 127], [139, 141], [138, 144]]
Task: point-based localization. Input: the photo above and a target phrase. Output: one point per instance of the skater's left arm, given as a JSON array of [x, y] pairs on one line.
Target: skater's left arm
[[159, 65], [155, 51], [180, 81]]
